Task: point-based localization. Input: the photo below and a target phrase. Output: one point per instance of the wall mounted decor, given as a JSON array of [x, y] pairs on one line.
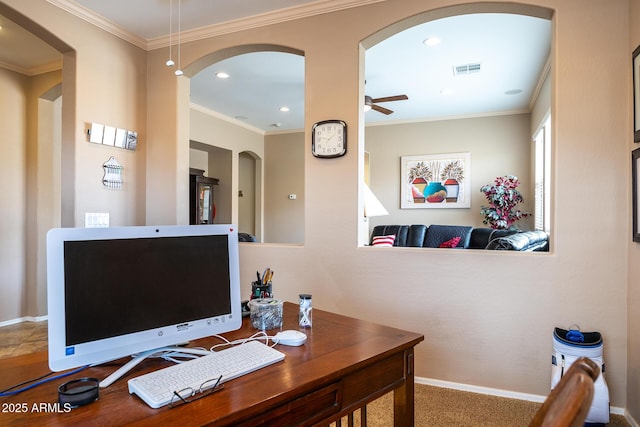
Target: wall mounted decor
[[132, 140], [121, 138], [112, 174], [112, 136], [109, 136], [436, 181], [95, 133]]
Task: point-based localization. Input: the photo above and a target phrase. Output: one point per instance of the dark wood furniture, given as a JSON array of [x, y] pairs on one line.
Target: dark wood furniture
[[345, 364], [568, 403], [201, 205]]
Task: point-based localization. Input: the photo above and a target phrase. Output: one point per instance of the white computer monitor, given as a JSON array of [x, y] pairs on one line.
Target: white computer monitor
[[120, 291]]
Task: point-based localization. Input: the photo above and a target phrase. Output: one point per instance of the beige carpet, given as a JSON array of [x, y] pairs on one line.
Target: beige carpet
[[443, 407]]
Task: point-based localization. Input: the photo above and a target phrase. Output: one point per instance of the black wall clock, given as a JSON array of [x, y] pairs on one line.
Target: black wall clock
[[329, 139]]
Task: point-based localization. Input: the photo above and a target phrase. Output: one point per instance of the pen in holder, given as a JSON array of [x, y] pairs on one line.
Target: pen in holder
[[260, 290]]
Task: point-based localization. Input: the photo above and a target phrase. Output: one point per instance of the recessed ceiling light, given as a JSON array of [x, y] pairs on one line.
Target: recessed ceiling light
[[222, 75], [431, 41], [513, 92], [284, 108]]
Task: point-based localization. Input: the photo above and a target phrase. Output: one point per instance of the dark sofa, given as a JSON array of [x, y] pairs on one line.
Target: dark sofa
[[433, 236]]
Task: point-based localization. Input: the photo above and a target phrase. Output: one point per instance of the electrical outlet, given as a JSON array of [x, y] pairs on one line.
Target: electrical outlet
[[96, 220]]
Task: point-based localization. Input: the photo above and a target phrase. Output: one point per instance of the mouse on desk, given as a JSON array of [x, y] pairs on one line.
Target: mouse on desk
[[290, 337]]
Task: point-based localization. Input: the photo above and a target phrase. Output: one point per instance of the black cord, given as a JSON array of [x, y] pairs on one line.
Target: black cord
[[24, 383], [37, 381]]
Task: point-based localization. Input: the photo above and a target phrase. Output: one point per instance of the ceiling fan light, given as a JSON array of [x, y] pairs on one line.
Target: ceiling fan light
[[368, 102], [431, 41]]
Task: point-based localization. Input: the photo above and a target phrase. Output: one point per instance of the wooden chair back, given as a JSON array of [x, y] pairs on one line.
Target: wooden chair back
[[568, 403]]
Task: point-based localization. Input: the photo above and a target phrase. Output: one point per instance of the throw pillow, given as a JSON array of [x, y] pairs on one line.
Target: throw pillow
[[450, 243], [384, 241]]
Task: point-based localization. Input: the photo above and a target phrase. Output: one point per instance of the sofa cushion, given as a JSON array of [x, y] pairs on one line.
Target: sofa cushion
[[400, 231], [437, 234], [452, 243], [415, 235], [481, 236], [383, 241], [523, 241]]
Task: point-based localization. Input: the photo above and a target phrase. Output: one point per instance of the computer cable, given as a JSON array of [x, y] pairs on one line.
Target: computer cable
[[37, 381], [258, 336]]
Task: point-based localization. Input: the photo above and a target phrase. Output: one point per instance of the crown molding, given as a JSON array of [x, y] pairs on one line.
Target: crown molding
[[318, 7], [32, 71], [290, 14], [100, 22], [223, 117]]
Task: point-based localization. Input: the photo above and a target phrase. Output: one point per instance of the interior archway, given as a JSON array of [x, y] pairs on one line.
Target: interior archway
[[440, 135], [253, 174]]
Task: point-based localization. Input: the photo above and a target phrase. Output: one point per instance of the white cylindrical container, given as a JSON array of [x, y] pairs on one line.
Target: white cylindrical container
[[305, 316]]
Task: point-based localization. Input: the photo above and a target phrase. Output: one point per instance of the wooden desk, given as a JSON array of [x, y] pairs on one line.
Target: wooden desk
[[345, 364]]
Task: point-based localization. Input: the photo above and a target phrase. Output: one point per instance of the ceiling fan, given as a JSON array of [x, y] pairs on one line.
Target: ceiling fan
[[373, 102]]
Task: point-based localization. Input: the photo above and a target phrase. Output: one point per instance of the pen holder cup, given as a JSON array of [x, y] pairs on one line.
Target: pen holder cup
[[259, 290], [265, 313]]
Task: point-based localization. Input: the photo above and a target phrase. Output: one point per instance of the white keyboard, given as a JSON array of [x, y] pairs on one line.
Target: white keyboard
[[156, 388]]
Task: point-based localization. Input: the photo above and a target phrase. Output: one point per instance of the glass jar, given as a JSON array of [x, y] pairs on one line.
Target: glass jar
[[305, 315]]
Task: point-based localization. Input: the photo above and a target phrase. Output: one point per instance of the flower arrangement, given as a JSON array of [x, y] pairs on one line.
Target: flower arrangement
[[503, 199]]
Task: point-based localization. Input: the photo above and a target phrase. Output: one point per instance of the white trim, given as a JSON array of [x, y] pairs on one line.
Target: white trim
[[296, 12], [441, 118], [23, 319], [93, 18], [631, 420], [506, 393], [223, 117]]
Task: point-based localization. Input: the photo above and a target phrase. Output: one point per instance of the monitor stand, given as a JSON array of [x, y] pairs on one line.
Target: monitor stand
[[136, 359]]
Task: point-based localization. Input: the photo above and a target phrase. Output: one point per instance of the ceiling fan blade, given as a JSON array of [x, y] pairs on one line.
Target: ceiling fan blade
[[391, 98], [380, 109]]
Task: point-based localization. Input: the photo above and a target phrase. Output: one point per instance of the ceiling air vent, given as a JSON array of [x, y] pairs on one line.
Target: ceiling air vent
[[460, 70]]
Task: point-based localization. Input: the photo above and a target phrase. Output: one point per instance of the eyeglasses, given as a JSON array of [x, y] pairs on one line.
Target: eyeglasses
[[189, 394]]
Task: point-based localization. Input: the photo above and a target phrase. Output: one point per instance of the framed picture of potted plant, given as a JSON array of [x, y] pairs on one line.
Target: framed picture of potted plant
[[433, 181], [635, 164]]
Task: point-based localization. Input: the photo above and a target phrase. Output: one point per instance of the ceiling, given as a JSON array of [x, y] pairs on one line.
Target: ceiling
[[511, 50]]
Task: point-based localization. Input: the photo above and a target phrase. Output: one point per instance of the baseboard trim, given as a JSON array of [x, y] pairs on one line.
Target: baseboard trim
[[23, 319], [506, 393], [631, 420]]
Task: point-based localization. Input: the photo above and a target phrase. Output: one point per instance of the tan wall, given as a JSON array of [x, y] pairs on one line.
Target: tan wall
[[13, 198], [487, 319], [473, 308], [284, 175], [215, 134], [633, 291], [498, 146]]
